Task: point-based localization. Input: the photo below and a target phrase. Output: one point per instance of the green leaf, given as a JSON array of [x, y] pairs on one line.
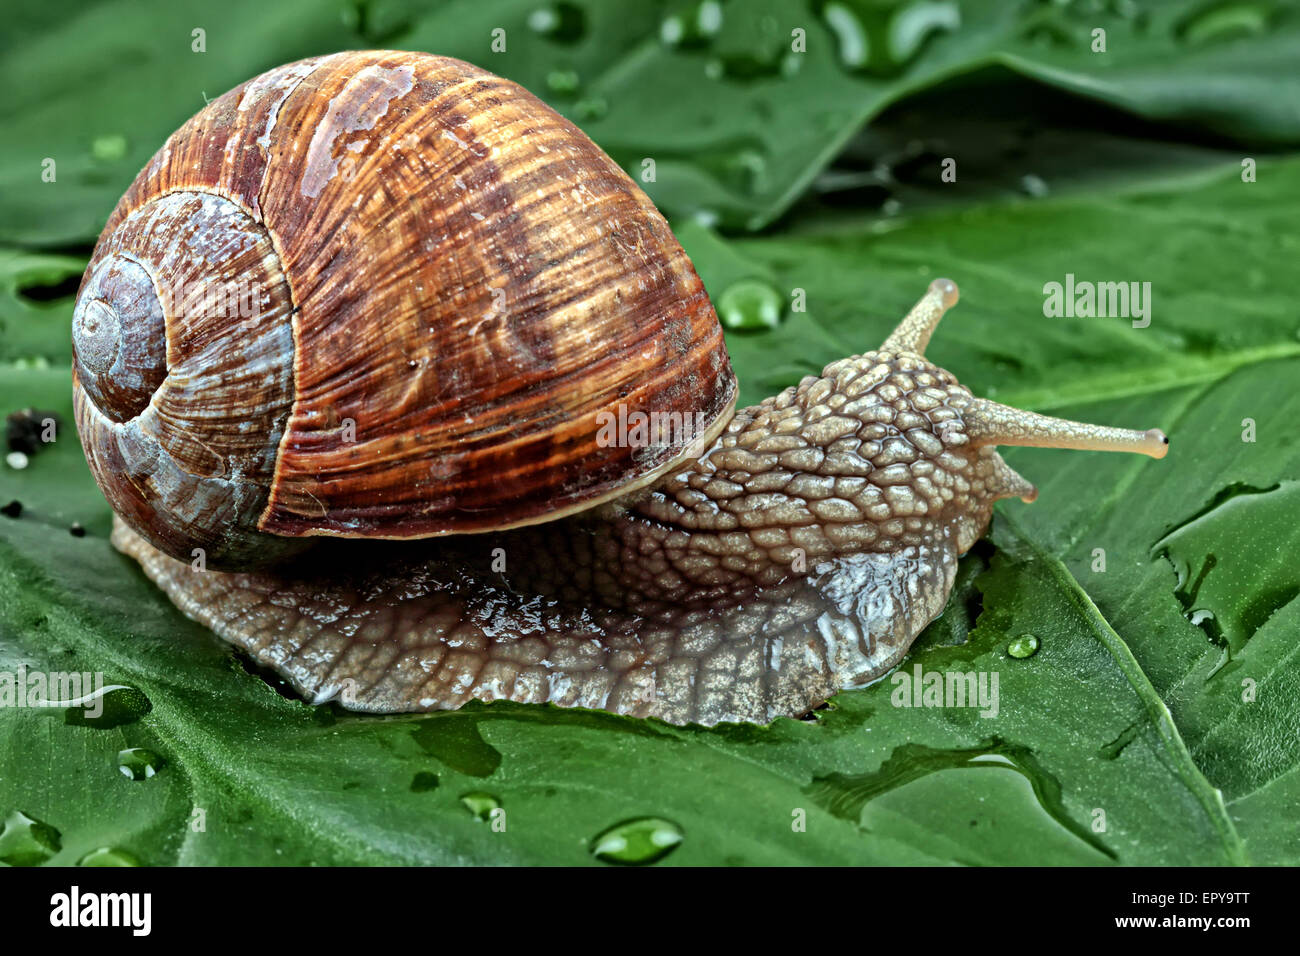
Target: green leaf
[[1126, 738], [737, 122], [1158, 720], [34, 305], [1221, 295]]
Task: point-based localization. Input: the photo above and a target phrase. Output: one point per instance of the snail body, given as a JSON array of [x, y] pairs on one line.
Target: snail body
[[455, 290]]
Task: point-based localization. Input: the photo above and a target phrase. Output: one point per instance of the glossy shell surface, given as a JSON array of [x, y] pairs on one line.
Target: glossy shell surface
[[454, 283]]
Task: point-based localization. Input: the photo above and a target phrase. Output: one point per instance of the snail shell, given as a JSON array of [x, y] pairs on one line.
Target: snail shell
[[447, 267], [381, 295]]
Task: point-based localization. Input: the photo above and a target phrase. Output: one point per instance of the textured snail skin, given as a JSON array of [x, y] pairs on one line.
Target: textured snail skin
[[803, 553]]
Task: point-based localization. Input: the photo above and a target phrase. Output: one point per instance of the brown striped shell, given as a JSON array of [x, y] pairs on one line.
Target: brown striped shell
[[382, 294]]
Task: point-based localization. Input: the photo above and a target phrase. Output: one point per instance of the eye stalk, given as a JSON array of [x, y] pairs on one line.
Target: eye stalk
[[989, 423], [119, 343], [913, 333]]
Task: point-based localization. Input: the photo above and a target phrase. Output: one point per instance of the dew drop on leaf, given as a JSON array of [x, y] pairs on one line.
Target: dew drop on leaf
[[882, 38], [1032, 185], [850, 34], [1026, 645], [109, 707], [424, 781], [561, 22], [692, 27], [1217, 22], [915, 22], [108, 856], [137, 763], [26, 841], [108, 149], [637, 842], [562, 82], [592, 108], [480, 803], [749, 305]]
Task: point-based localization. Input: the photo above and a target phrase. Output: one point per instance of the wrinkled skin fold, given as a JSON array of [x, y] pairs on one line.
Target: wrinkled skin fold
[[410, 627]]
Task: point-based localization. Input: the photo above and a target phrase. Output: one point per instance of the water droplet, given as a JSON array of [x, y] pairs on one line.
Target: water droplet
[[854, 46], [1221, 21], [914, 23], [637, 842], [108, 707], [752, 48], [672, 31], [543, 20], [1026, 645], [480, 803], [592, 108], [454, 739], [1032, 185], [847, 795], [709, 218], [108, 149], [750, 304], [882, 38], [26, 841], [561, 22], [108, 856], [748, 170], [692, 27], [137, 763], [424, 781], [708, 18], [562, 82]]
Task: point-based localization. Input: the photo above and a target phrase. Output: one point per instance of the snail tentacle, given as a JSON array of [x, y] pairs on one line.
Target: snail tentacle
[[989, 423], [913, 333]]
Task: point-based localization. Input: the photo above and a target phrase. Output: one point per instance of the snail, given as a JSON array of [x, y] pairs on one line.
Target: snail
[[362, 363]]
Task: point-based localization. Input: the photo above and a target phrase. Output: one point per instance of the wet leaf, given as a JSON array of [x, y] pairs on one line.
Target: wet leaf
[[1139, 731], [738, 123]]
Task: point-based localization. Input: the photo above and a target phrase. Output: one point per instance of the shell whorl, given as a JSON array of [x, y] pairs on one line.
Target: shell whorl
[[183, 375], [119, 344]]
